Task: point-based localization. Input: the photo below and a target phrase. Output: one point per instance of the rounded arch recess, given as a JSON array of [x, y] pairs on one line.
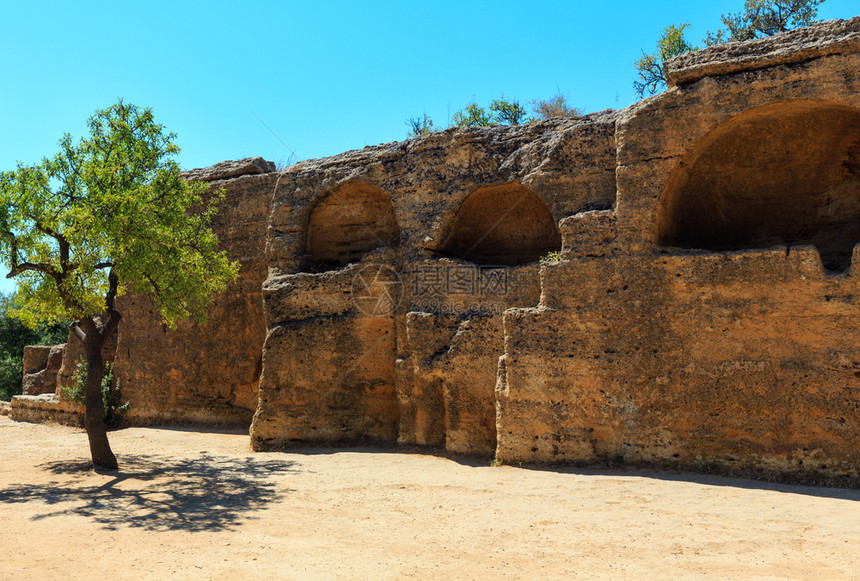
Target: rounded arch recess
[[787, 173], [505, 224], [349, 223]]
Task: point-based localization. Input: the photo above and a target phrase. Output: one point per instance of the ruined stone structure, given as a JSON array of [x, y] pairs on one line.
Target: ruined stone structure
[[41, 366], [700, 301]]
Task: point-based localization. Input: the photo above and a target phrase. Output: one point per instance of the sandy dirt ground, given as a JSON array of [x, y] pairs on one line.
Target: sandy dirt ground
[[188, 504]]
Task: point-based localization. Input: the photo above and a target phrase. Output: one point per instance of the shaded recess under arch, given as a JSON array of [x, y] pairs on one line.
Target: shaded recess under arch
[[787, 173], [349, 223], [503, 224]]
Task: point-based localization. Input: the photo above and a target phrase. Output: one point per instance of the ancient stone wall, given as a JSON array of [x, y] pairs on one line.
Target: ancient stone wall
[[704, 307], [746, 358], [439, 235], [41, 366], [719, 320], [205, 373], [697, 304]]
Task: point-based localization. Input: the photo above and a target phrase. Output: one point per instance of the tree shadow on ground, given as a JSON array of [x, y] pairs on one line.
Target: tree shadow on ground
[[207, 493]]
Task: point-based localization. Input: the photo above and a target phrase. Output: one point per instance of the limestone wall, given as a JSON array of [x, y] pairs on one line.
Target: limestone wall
[[749, 359], [707, 327], [704, 308], [205, 373], [41, 366], [389, 271], [699, 307]]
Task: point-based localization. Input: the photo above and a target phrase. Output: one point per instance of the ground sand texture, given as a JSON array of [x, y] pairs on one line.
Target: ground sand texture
[[189, 504]]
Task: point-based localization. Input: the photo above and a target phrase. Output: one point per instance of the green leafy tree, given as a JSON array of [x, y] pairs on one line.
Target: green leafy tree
[[420, 125], [473, 115], [650, 66], [555, 106], [761, 18], [510, 112], [108, 214], [14, 336]]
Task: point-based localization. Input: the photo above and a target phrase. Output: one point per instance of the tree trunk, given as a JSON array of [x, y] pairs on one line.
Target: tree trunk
[[93, 336], [100, 451]]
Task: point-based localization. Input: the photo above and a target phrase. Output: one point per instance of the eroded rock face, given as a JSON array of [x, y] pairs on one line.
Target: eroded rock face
[[699, 305], [706, 328], [747, 359], [786, 48], [41, 366], [230, 169], [441, 234], [787, 173], [506, 224], [205, 374], [349, 223], [703, 308]]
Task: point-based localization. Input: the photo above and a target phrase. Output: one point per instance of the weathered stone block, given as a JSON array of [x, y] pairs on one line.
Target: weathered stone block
[[327, 380]]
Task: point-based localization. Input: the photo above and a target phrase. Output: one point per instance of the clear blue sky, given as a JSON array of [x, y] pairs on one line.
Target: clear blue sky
[[325, 77]]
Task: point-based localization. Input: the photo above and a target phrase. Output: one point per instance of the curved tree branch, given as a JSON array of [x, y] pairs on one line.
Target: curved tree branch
[[37, 267]]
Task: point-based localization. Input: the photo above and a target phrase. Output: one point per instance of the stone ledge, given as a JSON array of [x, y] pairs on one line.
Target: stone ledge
[[230, 169], [38, 409], [591, 233], [794, 46]]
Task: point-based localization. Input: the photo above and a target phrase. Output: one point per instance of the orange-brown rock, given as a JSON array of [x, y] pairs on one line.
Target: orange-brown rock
[[205, 373], [41, 366], [698, 307], [439, 236], [703, 310], [719, 323]]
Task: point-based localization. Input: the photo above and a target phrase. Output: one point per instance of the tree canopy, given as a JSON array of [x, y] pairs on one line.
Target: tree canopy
[[761, 18], [649, 66], [472, 115], [109, 214], [758, 19], [111, 203]]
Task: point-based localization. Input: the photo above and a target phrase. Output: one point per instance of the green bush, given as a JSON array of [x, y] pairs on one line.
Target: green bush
[[550, 257], [14, 336], [510, 112], [11, 371], [114, 410], [473, 115]]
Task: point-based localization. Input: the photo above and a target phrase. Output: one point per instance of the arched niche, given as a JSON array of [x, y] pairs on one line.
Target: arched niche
[[787, 173], [349, 223], [502, 224]]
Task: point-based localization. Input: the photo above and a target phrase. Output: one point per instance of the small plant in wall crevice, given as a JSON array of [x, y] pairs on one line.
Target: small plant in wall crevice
[[549, 257]]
